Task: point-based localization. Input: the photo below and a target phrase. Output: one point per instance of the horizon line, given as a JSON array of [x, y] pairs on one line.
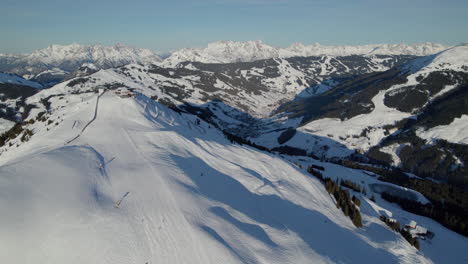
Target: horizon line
[[155, 50]]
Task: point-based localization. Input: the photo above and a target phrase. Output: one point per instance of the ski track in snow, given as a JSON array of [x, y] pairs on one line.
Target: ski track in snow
[[89, 123]]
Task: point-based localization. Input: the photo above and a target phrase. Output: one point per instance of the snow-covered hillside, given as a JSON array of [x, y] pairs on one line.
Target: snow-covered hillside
[[423, 80], [455, 132], [187, 195], [232, 51], [400, 117], [13, 92], [455, 58], [256, 88], [5, 125], [9, 78], [251, 91]]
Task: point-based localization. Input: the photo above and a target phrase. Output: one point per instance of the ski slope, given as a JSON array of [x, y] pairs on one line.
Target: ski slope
[[193, 197]]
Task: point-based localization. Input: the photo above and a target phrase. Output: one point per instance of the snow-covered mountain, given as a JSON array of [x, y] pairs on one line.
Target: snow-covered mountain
[[398, 116], [455, 58], [224, 52], [336, 105], [339, 104], [256, 88], [208, 162], [99, 55], [13, 93], [97, 177], [231, 51], [56, 62], [422, 49], [9, 78]]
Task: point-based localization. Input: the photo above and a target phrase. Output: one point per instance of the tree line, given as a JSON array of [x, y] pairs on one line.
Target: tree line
[[348, 205]]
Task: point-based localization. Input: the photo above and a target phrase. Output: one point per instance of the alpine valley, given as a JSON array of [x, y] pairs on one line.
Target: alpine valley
[[238, 152]]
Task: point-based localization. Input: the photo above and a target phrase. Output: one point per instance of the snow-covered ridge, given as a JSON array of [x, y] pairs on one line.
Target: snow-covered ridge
[[191, 196], [232, 51], [69, 58], [92, 53], [421, 49], [66, 59], [455, 58], [15, 79], [265, 84], [224, 52]]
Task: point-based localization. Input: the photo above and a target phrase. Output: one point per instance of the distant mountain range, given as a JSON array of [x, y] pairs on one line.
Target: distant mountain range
[[56, 62], [59, 62], [262, 93], [339, 104], [231, 51]]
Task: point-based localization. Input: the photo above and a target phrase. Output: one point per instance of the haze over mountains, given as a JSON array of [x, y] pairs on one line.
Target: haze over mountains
[[238, 152]]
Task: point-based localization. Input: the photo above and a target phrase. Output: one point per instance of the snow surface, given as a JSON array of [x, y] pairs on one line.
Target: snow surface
[[455, 58], [193, 196], [334, 128], [455, 132], [431, 248], [15, 79], [281, 88], [5, 125], [394, 151], [348, 132]]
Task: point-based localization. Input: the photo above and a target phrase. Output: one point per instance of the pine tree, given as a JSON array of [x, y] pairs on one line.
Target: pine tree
[[356, 201]]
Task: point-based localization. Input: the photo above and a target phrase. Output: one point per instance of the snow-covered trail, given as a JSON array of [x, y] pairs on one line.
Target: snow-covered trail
[[90, 121], [193, 198], [185, 164], [150, 211]]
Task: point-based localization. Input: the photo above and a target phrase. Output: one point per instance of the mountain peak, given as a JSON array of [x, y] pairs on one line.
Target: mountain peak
[[102, 56], [224, 52], [238, 51]]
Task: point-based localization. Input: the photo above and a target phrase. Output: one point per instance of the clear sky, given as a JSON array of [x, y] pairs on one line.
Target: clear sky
[[26, 25]]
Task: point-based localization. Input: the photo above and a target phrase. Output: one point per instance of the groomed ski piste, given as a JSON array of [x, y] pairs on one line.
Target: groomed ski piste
[[187, 195]]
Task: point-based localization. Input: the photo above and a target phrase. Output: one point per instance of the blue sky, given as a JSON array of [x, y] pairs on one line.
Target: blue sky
[[26, 25]]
